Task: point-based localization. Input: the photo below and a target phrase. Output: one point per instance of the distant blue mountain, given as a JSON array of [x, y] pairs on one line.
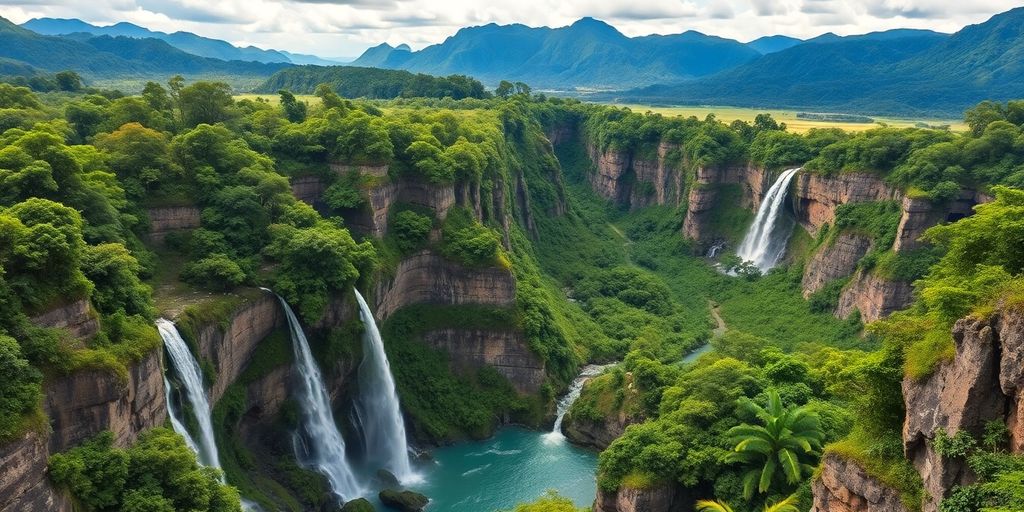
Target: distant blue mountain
[[771, 44], [184, 41], [898, 71], [589, 53]]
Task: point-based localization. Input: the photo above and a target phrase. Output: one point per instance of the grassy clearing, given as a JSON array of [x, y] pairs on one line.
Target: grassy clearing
[[729, 114], [274, 99]]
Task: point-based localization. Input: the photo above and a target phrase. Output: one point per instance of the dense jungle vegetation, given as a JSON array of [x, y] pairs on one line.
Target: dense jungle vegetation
[[80, 168]]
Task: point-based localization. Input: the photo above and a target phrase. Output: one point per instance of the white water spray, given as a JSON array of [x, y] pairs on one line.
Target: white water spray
[[377, 408], [759, 245], [192, 379], [324, 448], [588, 372]]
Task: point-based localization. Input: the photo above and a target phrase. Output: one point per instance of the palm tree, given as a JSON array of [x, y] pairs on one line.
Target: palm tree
[[787, 437], [786, 505]]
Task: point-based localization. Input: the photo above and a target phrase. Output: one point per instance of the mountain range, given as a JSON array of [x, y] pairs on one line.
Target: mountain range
[[588, 53], [184, 41], [905, 71], [106, 56]]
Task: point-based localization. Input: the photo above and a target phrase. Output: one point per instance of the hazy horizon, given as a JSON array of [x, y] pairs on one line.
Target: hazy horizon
[[345, 28]]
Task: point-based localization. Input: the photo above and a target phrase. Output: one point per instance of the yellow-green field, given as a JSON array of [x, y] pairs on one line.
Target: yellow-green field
[[729, 114], [275, 99]]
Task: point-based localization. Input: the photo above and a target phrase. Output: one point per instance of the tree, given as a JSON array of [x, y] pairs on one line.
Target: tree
[[329, 98], [294, 110], [205, 103], [139, 156], [20, 391], [156, 96], [504, 89], [775, 450], [68, 81], [410, 230]]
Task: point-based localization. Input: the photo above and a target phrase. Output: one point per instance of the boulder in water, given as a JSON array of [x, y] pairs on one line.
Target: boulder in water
[[387, 478], [406, 501], [358, 505]]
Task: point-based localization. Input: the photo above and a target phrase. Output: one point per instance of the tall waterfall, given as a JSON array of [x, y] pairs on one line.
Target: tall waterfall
[[323, 447], [762, 245], [589, 371], [192, 379], [177, 420], [377, 409]]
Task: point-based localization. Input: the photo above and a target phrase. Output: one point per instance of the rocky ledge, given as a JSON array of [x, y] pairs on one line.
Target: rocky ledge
[[428, 278], [981, 384], [843, 486]]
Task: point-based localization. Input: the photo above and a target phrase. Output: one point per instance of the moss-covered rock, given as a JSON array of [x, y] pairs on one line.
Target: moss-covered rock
[[358, 505], [406, 501]]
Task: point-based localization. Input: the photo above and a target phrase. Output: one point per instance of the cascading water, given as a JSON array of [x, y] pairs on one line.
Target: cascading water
[[192, 379], [323, 447], [589, 371], [762, 245], [377, 408], [177, 420]]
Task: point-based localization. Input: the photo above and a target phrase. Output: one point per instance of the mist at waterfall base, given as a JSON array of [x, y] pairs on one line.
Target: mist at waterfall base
[[766, 239], [191, 377], [377, 412]]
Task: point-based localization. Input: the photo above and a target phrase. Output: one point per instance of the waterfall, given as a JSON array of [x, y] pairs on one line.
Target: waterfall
[[192, 379], [591, 370], [759, 245], [177, 420], [323, 447], [377, 409]]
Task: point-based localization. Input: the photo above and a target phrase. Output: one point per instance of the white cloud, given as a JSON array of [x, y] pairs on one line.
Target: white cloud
[[346, 27]]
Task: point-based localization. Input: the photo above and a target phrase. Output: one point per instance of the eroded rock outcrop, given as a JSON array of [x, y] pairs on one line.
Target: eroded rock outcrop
[[844, 486], [658, 498], [84, 403], [981, 384], [230, 344], [504, 349], [704, 195], [835, 261], [24, 484], [874, 296], [817, 196], [166, 220], [428, 278], [637, 181], [598, 433], [77, 317]]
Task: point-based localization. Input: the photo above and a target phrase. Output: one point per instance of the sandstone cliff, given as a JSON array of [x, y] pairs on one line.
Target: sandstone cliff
[[979, 385], [230, 342], [77, 317], [658, 498], [843, 486], [834, 261], [504, 349], [166, 220], [704, 195], [817, 196], [874, 296], [79, 406], [428, 278], [636, 181]]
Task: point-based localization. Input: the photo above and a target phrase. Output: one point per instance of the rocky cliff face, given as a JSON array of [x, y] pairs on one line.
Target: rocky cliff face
[[875, 297], [817, 196], [230, 345], [659, 498], [704, 194], [600, 433], [835, 261], [637, 181], [79, 406], [24, 484], [843, 486], [504, 349], [982, 383], [428, 278], [163, 221], [77, 317]]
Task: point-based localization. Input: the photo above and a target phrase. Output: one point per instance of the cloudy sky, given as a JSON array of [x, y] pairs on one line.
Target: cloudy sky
[[343, 28]]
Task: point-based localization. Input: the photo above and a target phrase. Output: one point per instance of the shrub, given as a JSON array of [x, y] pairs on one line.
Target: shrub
[[410, 230], [216, 272]]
